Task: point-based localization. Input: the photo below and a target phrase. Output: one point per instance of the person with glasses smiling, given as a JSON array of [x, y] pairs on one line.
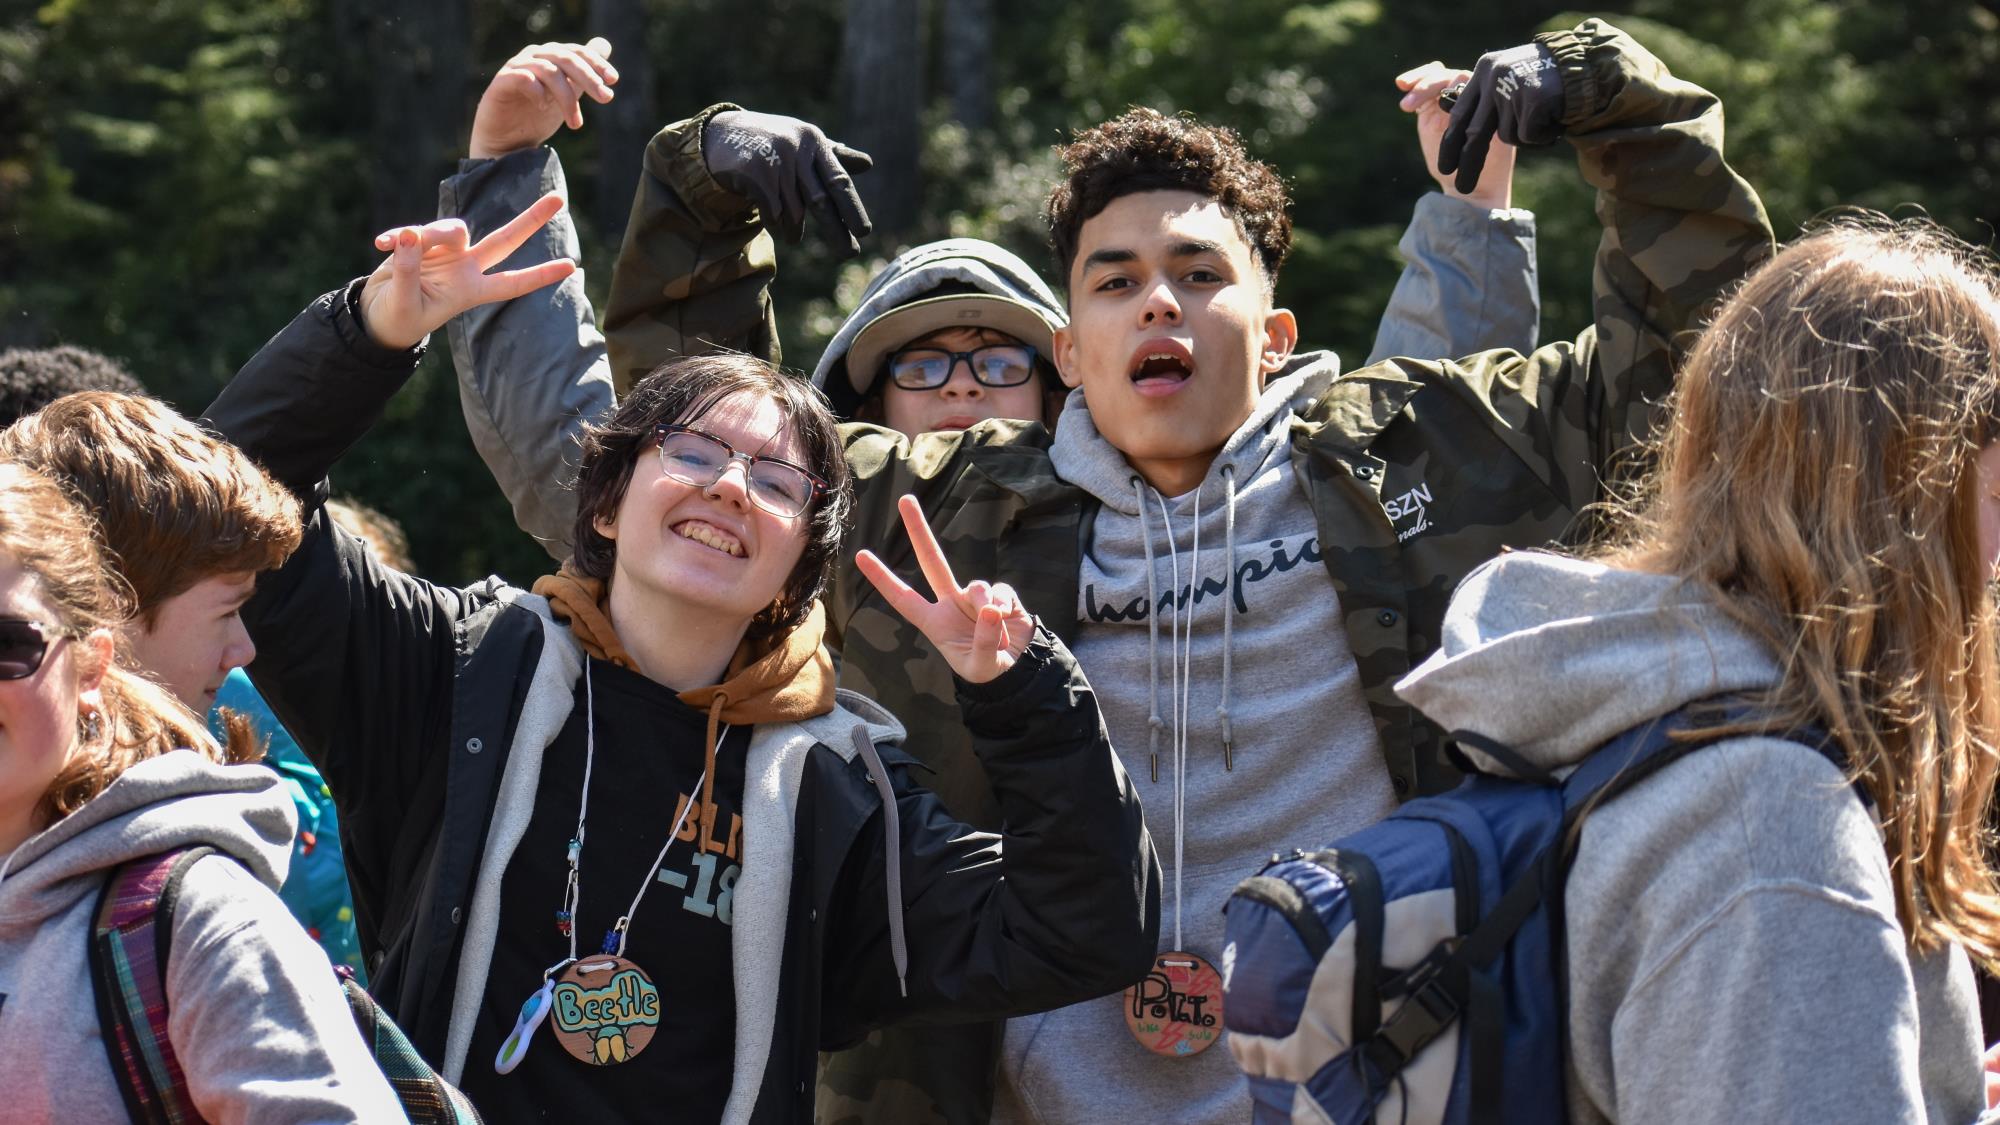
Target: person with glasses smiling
[[619, 846]]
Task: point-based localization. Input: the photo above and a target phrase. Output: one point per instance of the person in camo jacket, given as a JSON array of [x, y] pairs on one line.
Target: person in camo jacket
[[1248, 678]]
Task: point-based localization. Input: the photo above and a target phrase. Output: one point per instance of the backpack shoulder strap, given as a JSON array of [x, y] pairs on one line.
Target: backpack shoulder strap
[[425, 1096], [130, 938], [1642, 751]]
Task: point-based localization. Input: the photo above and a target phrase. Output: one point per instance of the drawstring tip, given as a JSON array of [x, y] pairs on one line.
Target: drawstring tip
[[903, 987], [1156, 765], [1228, 755]]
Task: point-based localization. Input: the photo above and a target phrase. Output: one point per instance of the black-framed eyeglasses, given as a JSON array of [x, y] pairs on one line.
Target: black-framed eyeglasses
[[24, 644], [692, 457], [993, 365]]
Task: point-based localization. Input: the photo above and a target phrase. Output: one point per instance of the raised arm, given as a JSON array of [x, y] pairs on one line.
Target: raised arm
[[1681, 226], [332, 627], [1469, 281], [531, 371], [692, 278], [695, 270]]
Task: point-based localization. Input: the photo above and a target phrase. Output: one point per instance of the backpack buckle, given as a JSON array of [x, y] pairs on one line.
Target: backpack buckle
[[1432, 1005]]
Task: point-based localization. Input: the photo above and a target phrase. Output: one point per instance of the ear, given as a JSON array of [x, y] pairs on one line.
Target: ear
[[1281, 338], [1065, 357], [606, 526], [97, 649]]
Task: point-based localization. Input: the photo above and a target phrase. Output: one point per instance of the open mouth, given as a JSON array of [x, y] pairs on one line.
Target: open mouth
[[1161, 366], [711, 536]]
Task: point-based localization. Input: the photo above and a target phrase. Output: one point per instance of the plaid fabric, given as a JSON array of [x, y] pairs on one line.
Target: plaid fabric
[[128, 964], [426, 1096], [128, 958]]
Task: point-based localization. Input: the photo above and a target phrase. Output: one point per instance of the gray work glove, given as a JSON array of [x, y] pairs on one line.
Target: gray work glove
[[1516, 93], [788, 168]]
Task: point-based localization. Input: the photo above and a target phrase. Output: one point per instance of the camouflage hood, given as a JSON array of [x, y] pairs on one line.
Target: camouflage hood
[[953, 267]]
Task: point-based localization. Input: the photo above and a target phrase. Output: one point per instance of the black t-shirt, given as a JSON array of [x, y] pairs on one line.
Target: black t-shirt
[[649, 755]]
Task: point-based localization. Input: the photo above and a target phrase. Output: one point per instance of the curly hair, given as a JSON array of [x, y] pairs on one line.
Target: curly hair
[[1146, 150], [31, 378], [681, 392]]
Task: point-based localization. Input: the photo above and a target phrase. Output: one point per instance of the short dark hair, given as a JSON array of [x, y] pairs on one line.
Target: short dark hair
[[31, 378], [1146, 150], [680, 392]]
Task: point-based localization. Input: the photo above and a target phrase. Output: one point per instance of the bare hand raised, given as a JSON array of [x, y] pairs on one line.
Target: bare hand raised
[[979, 629], [434, 272], [537, 92], [1421, 88]]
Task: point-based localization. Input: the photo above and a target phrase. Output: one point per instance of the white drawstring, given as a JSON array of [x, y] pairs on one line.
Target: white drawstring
[[1180, 658], [1154, 724], [1228, 609]]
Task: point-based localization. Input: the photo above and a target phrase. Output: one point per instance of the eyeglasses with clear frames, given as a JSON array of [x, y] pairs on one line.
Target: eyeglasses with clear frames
[[779, 487]]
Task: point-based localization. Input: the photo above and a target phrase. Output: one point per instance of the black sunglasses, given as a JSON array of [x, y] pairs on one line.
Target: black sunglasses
[[24, 644], [993, 365]]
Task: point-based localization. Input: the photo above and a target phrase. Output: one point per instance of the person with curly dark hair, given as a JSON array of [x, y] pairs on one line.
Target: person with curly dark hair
[[1145, 150], [1256, 543], [762, 872], [31, 378]]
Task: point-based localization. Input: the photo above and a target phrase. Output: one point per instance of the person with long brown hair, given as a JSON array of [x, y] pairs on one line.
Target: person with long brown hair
[[99, 767], [1764, 930]]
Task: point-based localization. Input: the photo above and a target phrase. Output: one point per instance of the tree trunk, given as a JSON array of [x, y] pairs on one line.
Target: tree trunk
[[416, 59], [624, 126], [882, 96], [968, 60]]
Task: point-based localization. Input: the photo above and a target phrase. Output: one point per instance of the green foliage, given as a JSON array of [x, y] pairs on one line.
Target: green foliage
[[177, 177]]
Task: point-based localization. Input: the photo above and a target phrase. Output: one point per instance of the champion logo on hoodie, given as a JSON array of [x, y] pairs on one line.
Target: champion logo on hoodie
[[1281, 556]]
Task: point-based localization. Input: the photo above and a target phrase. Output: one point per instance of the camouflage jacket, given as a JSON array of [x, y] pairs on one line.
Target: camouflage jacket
[[1416, 471], [692, 277]]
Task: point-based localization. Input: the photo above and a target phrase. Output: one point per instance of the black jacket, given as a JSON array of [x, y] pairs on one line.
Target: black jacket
[[407, 696]]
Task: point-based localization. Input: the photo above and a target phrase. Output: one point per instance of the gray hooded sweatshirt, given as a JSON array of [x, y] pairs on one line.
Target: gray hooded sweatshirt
[[1243, 635], [1734, 953], [254, 1011]]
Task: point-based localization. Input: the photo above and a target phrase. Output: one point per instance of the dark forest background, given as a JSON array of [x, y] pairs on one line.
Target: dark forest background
[[177, 177]]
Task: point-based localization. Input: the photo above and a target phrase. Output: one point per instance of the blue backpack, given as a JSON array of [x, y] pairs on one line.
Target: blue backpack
[[1415, 971]]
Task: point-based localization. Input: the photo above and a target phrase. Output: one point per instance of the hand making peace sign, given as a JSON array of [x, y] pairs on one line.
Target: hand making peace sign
[[980, 629], [434, 272]]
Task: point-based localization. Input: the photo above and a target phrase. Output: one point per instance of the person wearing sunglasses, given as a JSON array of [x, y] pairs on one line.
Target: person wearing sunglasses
[[619, 847], [100, 768], [189, 522]]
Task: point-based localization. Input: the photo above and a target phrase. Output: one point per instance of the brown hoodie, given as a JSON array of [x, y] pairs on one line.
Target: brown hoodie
[[776, 679]]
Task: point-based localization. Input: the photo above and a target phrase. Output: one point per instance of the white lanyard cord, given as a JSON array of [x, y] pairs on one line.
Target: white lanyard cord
[[573, 891]]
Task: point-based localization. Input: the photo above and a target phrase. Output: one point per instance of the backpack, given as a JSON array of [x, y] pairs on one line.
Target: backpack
[[128, 968], [1415, 970]]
